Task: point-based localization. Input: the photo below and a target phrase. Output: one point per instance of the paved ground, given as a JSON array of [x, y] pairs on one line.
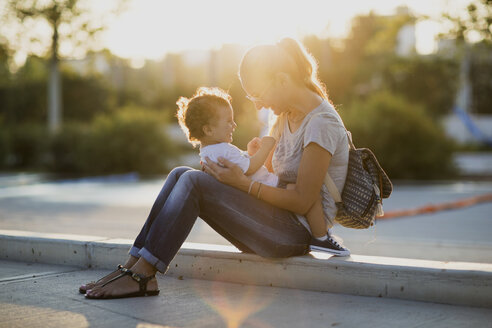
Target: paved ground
[[38, 295]]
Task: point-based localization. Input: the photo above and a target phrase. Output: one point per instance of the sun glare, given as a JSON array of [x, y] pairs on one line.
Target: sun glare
[[151, 28]]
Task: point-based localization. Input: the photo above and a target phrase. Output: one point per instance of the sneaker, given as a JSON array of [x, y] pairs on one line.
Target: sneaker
[[329, 245]]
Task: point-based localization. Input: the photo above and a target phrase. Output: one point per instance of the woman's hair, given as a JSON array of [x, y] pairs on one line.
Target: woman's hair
[[196, 112], [288, 56]]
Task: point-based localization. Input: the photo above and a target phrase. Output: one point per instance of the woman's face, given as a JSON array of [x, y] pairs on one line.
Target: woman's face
[[223, 126], [265, 93]]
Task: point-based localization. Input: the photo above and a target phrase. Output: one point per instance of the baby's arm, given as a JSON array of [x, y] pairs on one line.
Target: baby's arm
[[253, 146], [257, 160]]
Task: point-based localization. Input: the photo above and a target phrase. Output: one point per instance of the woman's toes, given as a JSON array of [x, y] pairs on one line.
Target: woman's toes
[[91, 293]]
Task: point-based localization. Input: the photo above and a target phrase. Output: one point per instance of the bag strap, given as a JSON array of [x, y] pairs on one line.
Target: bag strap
[[349, 137], [328, 181], [332, 188]]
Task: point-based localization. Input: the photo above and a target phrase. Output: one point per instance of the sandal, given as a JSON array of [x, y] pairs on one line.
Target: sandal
[[84, 288], [142, 282]]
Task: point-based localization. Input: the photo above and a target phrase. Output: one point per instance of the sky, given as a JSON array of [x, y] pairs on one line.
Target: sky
[[148, 29]]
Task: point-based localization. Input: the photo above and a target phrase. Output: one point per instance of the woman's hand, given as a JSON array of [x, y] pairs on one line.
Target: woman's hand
[[253, 146], [229, 173]]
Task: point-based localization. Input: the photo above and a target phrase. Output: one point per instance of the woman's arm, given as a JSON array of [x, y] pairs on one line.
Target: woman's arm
[[268, 163], [312, 169]]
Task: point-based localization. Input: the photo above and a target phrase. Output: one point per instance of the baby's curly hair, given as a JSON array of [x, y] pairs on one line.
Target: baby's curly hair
[[195, 112]]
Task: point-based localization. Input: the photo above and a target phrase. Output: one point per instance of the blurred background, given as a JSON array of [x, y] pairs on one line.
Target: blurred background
[[88, 90]]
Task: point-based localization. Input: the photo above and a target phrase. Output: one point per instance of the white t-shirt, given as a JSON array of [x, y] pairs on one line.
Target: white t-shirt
[[239, 157], [328, 131]]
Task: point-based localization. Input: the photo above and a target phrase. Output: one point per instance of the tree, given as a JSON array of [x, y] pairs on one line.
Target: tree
[[408, 143], [413, 78], [71, 22], [472, 33], [4, 62], [477, 20], [352, 67]]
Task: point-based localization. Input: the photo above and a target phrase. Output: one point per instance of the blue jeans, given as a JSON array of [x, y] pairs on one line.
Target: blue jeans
[[253, 226]]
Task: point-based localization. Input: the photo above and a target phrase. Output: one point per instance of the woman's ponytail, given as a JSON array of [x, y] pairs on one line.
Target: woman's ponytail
[[306, 65]]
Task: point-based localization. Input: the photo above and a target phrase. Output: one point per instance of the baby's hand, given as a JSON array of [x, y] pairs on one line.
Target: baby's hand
[[253, 146], [268, 141]]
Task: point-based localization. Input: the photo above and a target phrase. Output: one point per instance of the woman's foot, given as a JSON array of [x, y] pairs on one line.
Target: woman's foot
[[84, 288], [130, 284], [125, 286], [129, 263]]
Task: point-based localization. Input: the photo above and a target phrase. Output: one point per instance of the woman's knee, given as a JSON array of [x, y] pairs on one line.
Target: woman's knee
[[193, 178], [195, 175], [178, 171]]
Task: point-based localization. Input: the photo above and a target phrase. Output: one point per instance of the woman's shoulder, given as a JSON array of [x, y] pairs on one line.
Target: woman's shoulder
[[325, 114]]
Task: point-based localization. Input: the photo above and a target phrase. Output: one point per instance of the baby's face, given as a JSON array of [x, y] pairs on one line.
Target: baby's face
[[223, 125]]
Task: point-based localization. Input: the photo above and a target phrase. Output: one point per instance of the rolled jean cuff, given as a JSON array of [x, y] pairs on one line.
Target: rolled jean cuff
[[134, 251], [158, 264]]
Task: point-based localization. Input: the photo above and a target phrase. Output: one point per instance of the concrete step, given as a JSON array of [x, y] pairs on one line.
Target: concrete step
[[460, 283]]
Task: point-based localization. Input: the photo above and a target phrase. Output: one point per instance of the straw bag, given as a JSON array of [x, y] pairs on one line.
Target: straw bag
[[365, 187]]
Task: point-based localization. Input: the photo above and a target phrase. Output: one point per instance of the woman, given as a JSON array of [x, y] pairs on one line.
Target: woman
[[254, 217]]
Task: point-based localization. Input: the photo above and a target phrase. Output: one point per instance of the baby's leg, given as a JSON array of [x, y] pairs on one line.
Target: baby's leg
[[315, 217]]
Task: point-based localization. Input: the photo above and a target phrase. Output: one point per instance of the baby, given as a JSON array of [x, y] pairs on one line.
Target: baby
[[207, 120]]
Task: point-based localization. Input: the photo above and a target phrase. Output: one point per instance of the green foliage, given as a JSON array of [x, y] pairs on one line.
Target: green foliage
[[477, 20], [366, 61], [23, 103], [352, 65], [428, 81], [481, 79], [34, 69], [408, 144], [3, 146], [5, 55], [84, 97], [68, 148], [27, 146], [128, 140]]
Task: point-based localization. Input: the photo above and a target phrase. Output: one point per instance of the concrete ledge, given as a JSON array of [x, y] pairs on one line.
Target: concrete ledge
[[458, 283], [424, 249]]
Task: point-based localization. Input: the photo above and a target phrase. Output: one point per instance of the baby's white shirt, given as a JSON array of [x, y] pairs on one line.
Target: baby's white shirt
[[239, 157]]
